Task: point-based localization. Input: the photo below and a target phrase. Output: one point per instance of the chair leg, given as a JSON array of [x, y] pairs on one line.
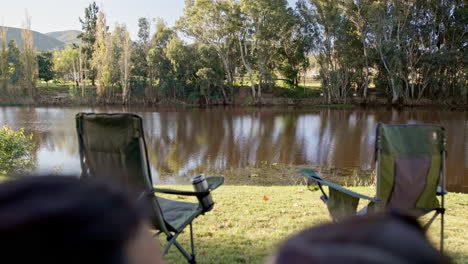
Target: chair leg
[[428, 224], [192, 244], [442, 233], [172, 240], [190, 258]]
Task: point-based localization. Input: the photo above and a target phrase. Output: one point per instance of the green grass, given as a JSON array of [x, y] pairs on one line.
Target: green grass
[[61, 84], [248, 222], [313, 85], [54, 85]]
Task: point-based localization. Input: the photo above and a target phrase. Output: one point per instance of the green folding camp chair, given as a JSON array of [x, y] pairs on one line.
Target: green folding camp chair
[[113, 146], [410, 161]]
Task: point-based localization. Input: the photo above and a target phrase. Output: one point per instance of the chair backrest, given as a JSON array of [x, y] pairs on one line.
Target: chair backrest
[[410, 163], [112, 146]]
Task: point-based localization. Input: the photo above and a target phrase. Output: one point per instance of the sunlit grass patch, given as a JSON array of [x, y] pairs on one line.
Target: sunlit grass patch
[[248, 223]]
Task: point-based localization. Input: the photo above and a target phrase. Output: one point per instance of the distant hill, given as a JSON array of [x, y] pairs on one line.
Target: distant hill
[[67, 36], [41, 41]]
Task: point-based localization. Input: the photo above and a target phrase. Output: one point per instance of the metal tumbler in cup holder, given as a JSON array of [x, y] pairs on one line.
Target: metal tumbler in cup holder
[[201, 185]]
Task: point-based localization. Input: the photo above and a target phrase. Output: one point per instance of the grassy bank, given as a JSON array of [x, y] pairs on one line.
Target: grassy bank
[[248, 222], [57, 93]]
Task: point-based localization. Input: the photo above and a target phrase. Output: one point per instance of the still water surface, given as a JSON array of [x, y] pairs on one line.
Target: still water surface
[[185, 141]]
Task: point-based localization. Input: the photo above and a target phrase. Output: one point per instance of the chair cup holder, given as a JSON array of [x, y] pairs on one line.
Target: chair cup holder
[[206, 202]]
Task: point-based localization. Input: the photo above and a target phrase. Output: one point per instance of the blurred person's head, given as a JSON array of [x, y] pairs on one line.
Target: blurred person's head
[[378, 239], [52, 219]]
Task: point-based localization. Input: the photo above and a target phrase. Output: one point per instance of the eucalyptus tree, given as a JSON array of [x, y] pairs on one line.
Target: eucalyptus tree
[[15, 66], [46, 66], [357, 12], [143, 74], [120, 61], [4, 69], [388, 25], [66, 64], [101, 57], [245, 40], [88, 38], [159, 63], [125, 66], [295, 45], [115, 51], [395, 46], [182, 73], [327, 24], [119, 57], [445, 66], [29, 59], [260, 25], [212, 22], [209, 72]]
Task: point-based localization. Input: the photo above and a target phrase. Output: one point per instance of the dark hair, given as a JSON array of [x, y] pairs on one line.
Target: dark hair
[[60, 219], [380, 239]]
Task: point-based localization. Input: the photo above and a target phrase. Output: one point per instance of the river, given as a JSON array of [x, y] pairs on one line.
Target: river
[[185, 141]]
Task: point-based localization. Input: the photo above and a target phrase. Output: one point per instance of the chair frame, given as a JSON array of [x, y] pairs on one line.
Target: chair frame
[[150, 194], [441, 191]]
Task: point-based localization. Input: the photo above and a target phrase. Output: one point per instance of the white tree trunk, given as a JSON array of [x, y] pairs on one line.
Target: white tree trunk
[[248, 68]]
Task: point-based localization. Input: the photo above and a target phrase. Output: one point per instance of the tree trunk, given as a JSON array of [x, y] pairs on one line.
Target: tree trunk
[[249, 70], [125, 68], [81, 73], [229, 74], [366, 59], [390, 76]]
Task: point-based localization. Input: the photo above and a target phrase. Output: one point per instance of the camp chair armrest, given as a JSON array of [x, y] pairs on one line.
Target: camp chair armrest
[[177, 192], [312, 175], [441, 191], [214, 182]]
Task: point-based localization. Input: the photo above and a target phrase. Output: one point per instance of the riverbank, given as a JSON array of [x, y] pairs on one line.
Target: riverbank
[[278, 96], [248, 222], [276, 174]]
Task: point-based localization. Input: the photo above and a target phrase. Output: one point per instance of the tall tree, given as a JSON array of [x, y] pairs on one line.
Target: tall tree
[[388, 23], [101, 57], [29, 59], [144, 30], [125, 65], [46, 66], [358, 13], [210, 74], [158, 62], [212, 22], [88, 37], [66, 64], [143, 47], [115, 53], [4, 69], [336, 47], [15, 66], [260, 24], [295, 45], [180, 57]]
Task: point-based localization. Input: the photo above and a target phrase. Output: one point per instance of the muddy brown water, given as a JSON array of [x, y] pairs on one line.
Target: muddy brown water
[[185, 141]]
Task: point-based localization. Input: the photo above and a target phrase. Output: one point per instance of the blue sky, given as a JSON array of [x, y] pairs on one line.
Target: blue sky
[[57, 15]]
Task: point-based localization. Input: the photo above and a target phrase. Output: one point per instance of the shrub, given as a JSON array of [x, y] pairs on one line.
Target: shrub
[[15, 151]]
